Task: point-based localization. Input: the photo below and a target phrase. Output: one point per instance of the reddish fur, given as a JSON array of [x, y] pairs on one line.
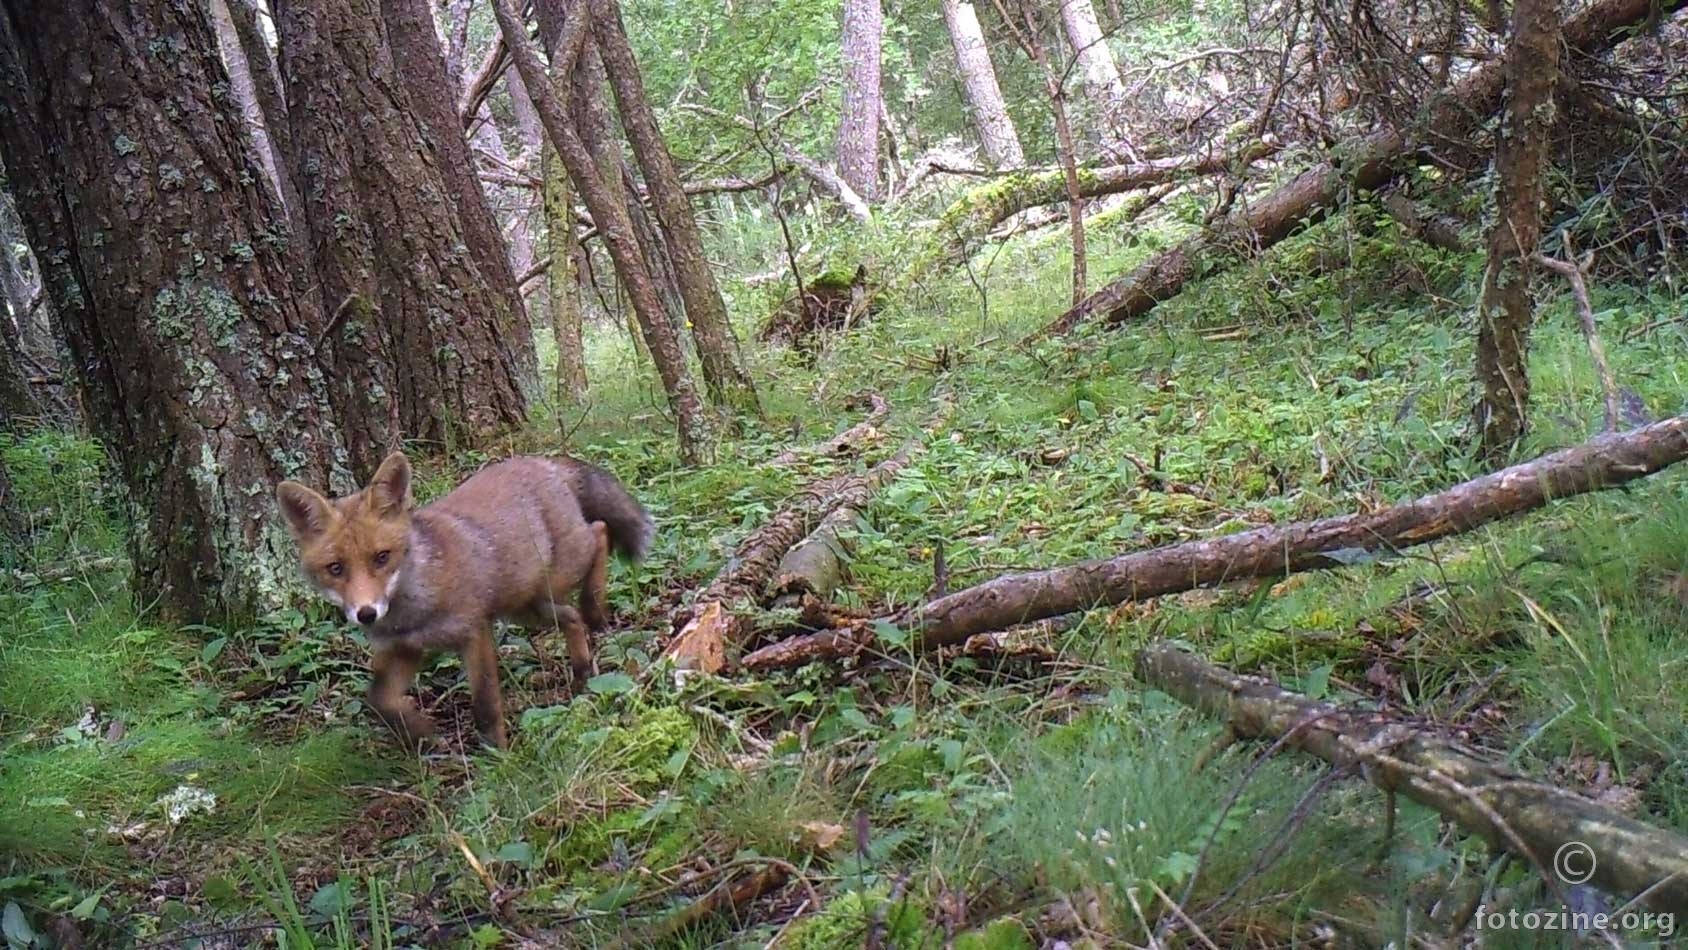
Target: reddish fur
[[511, 543]]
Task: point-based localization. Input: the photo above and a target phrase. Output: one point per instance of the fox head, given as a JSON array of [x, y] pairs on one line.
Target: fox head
[[353, 549]]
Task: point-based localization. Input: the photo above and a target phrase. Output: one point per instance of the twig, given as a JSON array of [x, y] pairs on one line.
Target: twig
[[1575, 271]]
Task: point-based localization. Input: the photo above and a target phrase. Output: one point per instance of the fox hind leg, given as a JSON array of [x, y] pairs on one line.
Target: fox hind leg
[[480, 662], [594, 604], [395, 668]]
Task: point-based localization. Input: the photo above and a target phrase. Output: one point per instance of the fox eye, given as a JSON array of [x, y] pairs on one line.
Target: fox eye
[[381, 558], [335, 568]]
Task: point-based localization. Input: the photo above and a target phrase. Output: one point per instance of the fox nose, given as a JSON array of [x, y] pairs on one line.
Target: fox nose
[[366, 615]]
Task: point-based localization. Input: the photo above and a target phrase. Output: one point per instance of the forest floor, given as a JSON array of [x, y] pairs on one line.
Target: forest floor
[[220, 787]]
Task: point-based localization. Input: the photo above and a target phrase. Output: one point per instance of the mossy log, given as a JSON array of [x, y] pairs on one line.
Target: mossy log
[[1362, 164], [974, 214], [1275, 551], [1563, 834]]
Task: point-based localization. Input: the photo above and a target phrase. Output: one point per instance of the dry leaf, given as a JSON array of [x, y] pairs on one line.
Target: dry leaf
[[701, 645]]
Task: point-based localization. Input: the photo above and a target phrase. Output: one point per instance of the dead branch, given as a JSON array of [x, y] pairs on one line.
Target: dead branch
[[1604, 462], [1438, 231], [480, 86], [1576, 272], [1362, 164], [713, 621], [1561, 833], [847, 441]]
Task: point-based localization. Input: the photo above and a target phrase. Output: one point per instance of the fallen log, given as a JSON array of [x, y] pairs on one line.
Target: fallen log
[[850, 440], [1362, 164], [1564, 835], [974, 214], [713, 621], [1604, 462]]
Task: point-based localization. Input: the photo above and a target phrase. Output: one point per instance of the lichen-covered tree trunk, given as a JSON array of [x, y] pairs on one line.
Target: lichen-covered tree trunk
[[1504, 311], [1102, 84], [724, 374], [610, 215], [186, 309], [414, 39], [271, 129], [561, 287], [421, 348], [858, 128], [995, 126]]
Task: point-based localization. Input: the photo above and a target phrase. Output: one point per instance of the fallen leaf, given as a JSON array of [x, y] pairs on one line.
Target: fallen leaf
[[701, 644], [820, 836]]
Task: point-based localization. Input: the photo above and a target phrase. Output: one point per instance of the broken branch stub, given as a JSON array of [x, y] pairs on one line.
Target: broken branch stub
[[1539, 822]]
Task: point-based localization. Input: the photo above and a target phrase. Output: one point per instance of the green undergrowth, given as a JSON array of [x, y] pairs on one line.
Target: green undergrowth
[[1002, 802]]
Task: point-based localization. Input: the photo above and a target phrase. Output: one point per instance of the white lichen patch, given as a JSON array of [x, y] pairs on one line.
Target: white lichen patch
[[185, 801]]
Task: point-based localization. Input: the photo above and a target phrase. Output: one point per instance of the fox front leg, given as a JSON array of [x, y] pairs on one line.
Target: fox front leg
[[395, 668]]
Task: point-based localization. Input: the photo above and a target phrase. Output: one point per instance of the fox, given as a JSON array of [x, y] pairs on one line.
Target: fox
[[510, 543]]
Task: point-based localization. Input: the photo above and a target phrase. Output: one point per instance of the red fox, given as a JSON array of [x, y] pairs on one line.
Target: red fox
[[509, 544]]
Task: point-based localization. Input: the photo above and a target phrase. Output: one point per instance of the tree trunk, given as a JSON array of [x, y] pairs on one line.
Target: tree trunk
[[1505, 313], [271, 118], [655, 248], [858, 130], [978, 83], [1630, 860], [1102, 84], [610, 215], [18, 402], [421, 348], [415, 42], [1365, 163], [189, 319], [718, 349], [1275, 551], [561, 296]]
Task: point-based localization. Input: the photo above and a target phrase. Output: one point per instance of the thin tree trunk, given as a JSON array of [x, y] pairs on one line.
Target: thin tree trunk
[[242, 86], [18, 400], [1505, 312], [455, 25], [978, 83], [190, 325], [272, 104], [415, 42], [1102, 84], [657, 256], [1068, 150], [422, 345], [561, 293], [858, 130], [611, 218], [718, 349]]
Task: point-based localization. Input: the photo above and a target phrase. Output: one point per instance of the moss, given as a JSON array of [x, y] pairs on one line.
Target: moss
[[1005, 934], [845, 921]]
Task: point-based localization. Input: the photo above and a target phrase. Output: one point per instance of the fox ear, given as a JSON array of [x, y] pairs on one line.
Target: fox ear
[[307, 512], [389, 490]]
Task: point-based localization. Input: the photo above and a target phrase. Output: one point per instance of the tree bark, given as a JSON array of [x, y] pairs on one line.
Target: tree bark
[[561, 297], [422, 349], [244, 90], [1001, 142], [718, 349], [1604, 462], [267, 93], [1511, 811], [610, 215], [18, 402], [1102, 83], [858, 129], [1369, 162], [1521, 156], [415, 43], [187, 313]]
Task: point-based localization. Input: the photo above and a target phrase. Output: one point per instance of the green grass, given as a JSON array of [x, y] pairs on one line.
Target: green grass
[[1278, 391]]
